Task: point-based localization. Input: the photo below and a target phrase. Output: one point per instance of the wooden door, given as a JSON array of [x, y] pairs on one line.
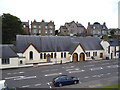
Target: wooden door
[[81, 57], [101, 55], [75, 57]]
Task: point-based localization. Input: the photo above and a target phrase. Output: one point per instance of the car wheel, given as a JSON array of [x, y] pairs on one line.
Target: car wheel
[[75, 82], [60, 84]]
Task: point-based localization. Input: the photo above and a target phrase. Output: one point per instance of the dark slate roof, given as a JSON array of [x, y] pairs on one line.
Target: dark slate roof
[[7, 51], [50, 43], [79, 25], [113, 42], [46, 23], [64, 27], [26, 23]]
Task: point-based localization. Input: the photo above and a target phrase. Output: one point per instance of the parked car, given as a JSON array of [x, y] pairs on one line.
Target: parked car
[[64, 80]]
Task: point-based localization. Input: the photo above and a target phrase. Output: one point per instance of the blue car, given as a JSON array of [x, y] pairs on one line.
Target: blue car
[[64, 80]]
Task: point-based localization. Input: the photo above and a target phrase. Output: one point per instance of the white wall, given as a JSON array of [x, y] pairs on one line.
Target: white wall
[[13, 63]]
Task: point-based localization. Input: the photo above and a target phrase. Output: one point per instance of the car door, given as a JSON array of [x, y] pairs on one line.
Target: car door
[[64, 80], [69, 80]]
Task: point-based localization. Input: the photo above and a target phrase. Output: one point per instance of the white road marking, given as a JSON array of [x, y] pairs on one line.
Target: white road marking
[[113, 66], [14, 77], [22, 78], [21, 72], [88, 65], [86, 77], [76, 71], [37, 84], [105, 63], [26, 86], [98, 75], [72, 69], [53, 74], [98, 68], [53, 69], [108, 73]]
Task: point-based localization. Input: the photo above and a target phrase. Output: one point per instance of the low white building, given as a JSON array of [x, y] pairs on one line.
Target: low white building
[[32, 50], [111, 48]]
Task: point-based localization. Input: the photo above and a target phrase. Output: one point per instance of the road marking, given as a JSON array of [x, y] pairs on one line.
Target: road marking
[[37, 84], [86, 77], [14, 77], [72, 69], [21, 72], [108, 73], [53, 74], [105, 63], [22, 78], [98, 75], [113, 66], [26, 86], [98, 68], [76, 71], [88, 65], [53, 69]]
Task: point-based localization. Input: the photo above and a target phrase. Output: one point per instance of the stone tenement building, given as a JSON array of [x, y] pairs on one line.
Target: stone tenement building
[[25, 26], [97, 29], [42, 28], [72, 28]]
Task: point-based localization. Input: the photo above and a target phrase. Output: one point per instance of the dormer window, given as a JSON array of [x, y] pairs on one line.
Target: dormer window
[[93, 27], [73, 26]]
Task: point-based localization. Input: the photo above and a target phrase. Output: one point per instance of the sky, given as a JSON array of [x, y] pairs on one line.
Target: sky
[[61, 11]]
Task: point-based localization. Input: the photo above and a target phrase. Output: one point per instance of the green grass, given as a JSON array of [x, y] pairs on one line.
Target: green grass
[[112, 86]]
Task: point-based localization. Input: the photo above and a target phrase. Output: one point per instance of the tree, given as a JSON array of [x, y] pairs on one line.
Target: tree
[[11, 26], [112, 32]]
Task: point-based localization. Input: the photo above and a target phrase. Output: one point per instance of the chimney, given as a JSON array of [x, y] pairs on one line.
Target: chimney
[[88, 23], [104, 23], [42, 20]]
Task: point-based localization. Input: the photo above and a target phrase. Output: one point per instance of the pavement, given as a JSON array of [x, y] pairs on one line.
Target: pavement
[[92, 74]]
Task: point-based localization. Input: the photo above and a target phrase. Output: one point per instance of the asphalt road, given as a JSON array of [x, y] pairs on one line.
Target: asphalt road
[[92, 74]]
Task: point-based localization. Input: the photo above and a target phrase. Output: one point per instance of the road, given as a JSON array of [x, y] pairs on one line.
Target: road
[[92, 74]]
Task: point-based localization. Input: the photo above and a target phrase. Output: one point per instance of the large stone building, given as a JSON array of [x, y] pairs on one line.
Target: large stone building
[[97, 29], [72, 28], [42, 28], [25, 26]]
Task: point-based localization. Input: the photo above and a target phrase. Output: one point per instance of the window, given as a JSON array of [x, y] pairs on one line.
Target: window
[[88, 54], [64, 54], [51, 55], [103, 27], [103, 32], [61, 55], [94, 32], [115, 50], [34, 26], [50, 26], [98, 31], [94, 53], [71, 31], [45, 31], [44, 55], [79, 32], [39, 26], [34, 31], [41, 56], [50, 31], [45, 26], [39, 31], [21, 62], [73, 26], [55, 55], [108, 49], [5, 61], [31, 55]]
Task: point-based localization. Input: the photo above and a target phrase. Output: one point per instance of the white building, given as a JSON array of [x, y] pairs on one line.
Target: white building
[[32, 50]]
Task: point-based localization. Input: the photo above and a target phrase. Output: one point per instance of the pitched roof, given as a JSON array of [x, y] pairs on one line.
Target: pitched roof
[[51, 43], [114, 42], [26, 23], [7, 51]]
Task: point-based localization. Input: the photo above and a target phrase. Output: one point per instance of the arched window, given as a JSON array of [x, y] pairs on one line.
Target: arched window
[[61, 55], [44, 55], [41, 56], [64, 54], [51, 55], [55, 55], [21, 62], [31, 55]]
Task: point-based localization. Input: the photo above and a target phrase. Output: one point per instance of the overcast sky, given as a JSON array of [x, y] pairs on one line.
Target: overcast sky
[[61, 11]]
